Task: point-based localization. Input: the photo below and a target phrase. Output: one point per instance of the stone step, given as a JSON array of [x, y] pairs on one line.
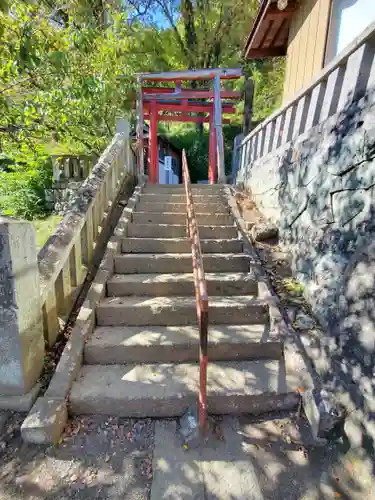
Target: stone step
[[178, 245], [179, 231], [211, 208], [167, 390], [181, 198], [180, 188], [179, 263], [121, 285], [212, 219], [178, 344], [170, 311]]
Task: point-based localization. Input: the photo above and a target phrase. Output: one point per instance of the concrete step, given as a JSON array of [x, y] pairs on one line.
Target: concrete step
[[167, 390], [212, 219], [179, 263], [170, 311], [178, 245], [211, 208], [180, 188], [178, 344], [179, 231], [121, 285], [181, 198]]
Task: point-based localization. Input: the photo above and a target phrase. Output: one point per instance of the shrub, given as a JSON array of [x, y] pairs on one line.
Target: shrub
[[22, 188]]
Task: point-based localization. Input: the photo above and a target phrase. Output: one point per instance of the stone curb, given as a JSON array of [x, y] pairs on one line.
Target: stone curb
[[121, 230], [300, 373], [49, 415], [45, 422]]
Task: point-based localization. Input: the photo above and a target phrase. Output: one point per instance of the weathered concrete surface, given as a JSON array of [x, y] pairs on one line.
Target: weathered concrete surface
[[203, 219], [179, 198], [179, 231], [166, 390], [45, 423], [178, 344], [71, 358], [115, 459], [179, 263], [219, 470], [180, 208], [256, 459], [4, 415], [20, 402], [21, 323], [163, 311], [319, 189], [180, 284], [177, 245], [180, 188]]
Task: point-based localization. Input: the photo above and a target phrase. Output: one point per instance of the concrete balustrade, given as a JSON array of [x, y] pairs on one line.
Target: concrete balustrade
[[38, 290]]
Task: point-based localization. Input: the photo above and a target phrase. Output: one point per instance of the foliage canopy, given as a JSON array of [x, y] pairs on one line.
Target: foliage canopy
[[68, 70]]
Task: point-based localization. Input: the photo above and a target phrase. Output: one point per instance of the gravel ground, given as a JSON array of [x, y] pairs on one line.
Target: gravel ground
[[106, 458]]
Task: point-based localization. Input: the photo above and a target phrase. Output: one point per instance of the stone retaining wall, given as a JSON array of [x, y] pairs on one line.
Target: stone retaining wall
[[320, 190]]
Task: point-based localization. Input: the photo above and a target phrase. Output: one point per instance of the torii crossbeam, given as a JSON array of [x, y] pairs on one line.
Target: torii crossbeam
[[176, 104]]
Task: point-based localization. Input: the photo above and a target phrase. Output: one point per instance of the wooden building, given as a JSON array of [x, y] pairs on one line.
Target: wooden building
[[311, 33]]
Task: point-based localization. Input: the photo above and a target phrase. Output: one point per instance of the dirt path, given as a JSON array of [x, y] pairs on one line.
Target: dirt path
[[111, 458], [106, 458]]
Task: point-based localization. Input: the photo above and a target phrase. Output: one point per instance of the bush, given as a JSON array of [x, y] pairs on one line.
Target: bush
[[22, 188], [196, 146]]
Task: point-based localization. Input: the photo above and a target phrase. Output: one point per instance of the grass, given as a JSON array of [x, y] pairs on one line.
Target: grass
[[44, 228], [292, 286]]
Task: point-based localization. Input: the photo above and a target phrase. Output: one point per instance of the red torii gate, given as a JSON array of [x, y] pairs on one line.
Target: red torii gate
[[152, 101]]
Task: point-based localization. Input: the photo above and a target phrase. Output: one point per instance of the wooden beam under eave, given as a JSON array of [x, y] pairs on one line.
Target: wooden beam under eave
[[272, 34], [266, 52], [267, 12]]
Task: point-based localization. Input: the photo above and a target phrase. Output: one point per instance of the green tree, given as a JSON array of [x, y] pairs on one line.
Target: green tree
[[60, 84]]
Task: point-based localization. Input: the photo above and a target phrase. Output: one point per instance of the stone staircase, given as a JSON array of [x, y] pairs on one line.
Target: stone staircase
[[142, 358]]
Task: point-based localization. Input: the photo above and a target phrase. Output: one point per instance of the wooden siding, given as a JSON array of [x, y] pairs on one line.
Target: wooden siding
[[306, 45]]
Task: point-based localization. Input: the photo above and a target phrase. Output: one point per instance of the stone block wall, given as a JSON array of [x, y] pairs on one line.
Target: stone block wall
[[320, 190]]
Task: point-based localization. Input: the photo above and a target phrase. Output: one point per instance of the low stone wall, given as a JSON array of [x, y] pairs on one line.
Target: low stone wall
[[320, 190]]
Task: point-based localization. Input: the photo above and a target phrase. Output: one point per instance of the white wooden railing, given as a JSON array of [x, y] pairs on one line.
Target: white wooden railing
[[346, 79]]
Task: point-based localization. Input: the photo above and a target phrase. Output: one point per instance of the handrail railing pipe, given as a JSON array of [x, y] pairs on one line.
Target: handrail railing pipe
[[200, 294]]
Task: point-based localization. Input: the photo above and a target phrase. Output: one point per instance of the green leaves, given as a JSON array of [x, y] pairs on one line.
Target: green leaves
[[59, 92]]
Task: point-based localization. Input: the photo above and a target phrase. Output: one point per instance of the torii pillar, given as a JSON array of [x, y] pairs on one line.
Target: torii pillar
[[212, 153], [153, 173]]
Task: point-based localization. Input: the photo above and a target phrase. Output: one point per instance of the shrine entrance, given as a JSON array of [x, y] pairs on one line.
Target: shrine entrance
[[181, 104]]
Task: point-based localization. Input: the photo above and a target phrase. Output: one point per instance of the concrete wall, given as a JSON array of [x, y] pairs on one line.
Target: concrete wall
[[320, 190]]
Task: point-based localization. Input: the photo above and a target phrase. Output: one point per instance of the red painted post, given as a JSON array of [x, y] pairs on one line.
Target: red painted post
[[153, 145], [212, 168]]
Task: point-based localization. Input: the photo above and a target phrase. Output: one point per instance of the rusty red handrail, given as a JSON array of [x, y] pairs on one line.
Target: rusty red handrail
[[200, 293]]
